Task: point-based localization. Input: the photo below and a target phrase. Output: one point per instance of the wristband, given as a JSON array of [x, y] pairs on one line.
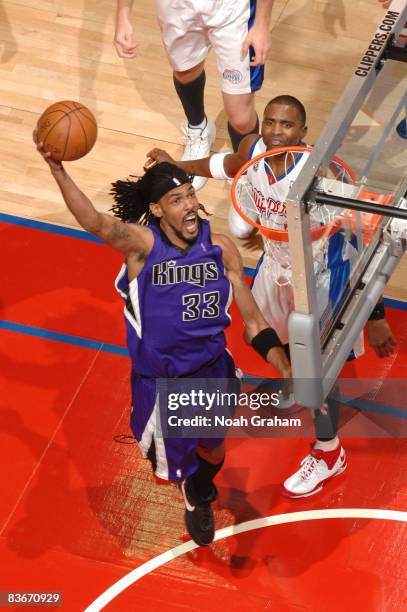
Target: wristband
[[216, 167], [378, 311], [266, 340]]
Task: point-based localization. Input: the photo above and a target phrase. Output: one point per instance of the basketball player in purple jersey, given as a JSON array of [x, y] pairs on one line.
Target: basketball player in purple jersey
[[177, 283], [284, 124]]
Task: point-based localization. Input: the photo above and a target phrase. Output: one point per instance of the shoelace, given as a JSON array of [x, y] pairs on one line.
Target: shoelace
[[192, 134], [309, 463]]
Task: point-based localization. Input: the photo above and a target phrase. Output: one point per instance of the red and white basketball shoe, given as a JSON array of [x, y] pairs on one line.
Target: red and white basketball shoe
[[316, 469]]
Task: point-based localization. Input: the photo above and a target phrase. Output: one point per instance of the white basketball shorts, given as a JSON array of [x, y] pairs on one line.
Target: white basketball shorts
[[190, 28]]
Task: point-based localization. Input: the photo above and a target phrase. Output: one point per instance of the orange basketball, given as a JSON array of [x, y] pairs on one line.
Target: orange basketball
[[68, 130]]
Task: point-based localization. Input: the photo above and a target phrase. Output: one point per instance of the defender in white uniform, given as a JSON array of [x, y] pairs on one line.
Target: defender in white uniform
[[284, 125], [190, 29], [238, 32], [271, 285]]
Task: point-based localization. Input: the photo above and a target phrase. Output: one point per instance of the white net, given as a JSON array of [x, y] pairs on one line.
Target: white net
[[261, 194]]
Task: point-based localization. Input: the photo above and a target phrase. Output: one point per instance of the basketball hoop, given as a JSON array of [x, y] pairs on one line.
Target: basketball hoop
[[265, 209], [340, 172]]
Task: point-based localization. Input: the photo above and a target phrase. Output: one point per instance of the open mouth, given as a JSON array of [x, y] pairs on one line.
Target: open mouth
[[191, 223]]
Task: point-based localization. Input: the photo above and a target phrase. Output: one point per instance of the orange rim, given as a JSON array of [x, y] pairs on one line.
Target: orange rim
[[282, 235]]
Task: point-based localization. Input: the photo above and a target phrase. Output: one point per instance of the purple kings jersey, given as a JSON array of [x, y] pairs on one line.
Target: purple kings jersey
[[177, 307]]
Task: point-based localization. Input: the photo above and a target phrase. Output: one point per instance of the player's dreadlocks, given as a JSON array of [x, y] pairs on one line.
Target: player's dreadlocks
[[132, 197]]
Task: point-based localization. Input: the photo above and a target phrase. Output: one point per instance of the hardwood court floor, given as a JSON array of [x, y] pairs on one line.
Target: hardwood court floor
[[53, 50]]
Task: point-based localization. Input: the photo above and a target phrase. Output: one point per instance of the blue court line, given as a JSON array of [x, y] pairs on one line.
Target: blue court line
[[121, 350], [352, 402], [49, 227], [390, 303], [361, 404], [116, 349], [82, 235], [38, 332]]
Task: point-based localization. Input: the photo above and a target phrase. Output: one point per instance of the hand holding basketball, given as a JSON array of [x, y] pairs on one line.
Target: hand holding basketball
[[53, 164], [67, 130]]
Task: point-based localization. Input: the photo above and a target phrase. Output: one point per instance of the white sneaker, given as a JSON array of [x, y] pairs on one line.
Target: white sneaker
[[198, 142], [237, 225], [316, 469]]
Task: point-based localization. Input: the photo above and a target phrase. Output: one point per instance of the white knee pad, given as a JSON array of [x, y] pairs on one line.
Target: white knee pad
[[237, 225]]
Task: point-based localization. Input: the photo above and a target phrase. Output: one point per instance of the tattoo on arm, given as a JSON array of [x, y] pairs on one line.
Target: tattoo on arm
[[118, 232], [128, 238]]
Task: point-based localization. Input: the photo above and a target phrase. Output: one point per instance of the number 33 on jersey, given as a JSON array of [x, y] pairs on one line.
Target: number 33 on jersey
[[180, 300]]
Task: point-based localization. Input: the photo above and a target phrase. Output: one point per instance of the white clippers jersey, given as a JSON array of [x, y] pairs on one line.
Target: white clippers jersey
[[269, 192], [271, 286]]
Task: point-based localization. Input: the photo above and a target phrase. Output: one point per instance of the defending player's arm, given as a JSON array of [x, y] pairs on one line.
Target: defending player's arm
[[218, 165], [129, 239], [261, 336], [379, 334], [258, 36], [124, 40]]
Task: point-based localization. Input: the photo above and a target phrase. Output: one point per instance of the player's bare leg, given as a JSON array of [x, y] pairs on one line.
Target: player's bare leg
[[242, 120], [327, 458], [242, 116]]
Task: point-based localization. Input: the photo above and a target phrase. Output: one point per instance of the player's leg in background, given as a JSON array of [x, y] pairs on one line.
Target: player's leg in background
[[187, 47], [199, 131], [327, 457], [242, 116], [238, 227], [239, 81], [242, 120]]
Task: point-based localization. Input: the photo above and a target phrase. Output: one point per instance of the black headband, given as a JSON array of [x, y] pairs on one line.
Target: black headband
[[166, 182]]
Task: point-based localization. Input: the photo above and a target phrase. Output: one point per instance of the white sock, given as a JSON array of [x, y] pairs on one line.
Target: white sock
[[201, 126], [327, 445]]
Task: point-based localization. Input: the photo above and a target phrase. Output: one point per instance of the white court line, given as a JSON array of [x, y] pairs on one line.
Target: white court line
[[226, 532]]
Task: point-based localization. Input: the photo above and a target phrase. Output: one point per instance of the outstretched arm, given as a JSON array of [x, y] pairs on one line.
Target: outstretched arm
[[252, 317], [380, 337], [379, 334], [129, 239], [124, 40], [230, 163]]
